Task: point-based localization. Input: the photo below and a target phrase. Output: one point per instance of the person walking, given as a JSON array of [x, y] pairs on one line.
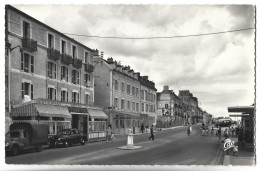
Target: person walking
[[142, 127], [109, 133], [212, 130], [188, 131], [219, 134], [152, 133]]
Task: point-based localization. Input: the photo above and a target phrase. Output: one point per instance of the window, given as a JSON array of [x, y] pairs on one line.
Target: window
[[74, 52], [122, 104], [26, 29], [146, 109], [133, 91], [128, 105], [133, 106], [137, 92], [64, 96], [87, 82], [27, 63], [63, 46], [142, 107], [142, 94], [128, 89], [122, 87], [27, 89], [75, 77], [116, 84], [51, 93], [51, 70], [87, 99], [75, 97], [137, 107], [86, 58], [64, 73], [115, 102], [50, 41]]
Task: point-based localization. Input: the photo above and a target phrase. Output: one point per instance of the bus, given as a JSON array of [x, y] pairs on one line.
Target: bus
[[223, 122]]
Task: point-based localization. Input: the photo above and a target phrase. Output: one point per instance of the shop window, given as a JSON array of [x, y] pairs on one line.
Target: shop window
[[27, 63], [64, 73], [75, 77], [51, 93], [51, 70], [27, 89]]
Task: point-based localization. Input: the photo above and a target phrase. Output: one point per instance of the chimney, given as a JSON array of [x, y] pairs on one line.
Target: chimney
[[110, 60], [95, 53], [166, 87], [102, 54]]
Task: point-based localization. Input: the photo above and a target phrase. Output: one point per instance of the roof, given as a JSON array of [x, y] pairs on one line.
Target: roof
[[52, 29]]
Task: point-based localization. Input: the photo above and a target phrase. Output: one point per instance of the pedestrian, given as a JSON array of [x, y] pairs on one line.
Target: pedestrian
[[142, 127], [188, 131], [152, 133], [212, 131], [109, 133], [226, 133], [219, 134]]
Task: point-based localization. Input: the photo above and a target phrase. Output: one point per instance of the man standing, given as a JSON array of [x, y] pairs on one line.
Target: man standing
[[152, 133], [142, 127]]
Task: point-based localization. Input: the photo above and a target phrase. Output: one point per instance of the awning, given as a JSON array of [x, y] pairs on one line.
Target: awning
[[41, 110], [242, 109], [52, 111], [97, 114]]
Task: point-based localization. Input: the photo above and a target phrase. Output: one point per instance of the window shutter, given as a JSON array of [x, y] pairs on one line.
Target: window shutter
[[55, 92], [67, 74], [78, 97], [77, 77], [61, 73], [22, 90], [67, 98], [32, 64], [72, 97], [48, 93], [22, 62], [55, 76], [31, 91], [72, 77], [48, 69]]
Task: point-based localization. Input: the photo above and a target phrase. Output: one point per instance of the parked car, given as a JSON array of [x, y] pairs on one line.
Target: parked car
[[24, 136], [67, 137]]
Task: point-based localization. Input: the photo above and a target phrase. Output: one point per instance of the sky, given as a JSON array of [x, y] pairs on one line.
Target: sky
[[218, 69]]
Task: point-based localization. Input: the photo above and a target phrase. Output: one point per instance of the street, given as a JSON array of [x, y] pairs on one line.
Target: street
[[170, 147]]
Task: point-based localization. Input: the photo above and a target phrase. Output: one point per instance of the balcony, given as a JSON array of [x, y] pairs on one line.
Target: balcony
[[89, 68], [29, 44], [66, 59], [77, 63], [53, 54]]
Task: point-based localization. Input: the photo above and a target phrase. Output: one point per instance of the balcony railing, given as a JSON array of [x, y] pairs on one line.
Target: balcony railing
[[29, 44], [53, 54], [89, 68], [66, 59], [77, 63]]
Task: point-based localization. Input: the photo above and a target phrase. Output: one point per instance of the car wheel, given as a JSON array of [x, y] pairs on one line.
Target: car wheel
[[38, 148], [82, 141], [66, 144], [15, 150]]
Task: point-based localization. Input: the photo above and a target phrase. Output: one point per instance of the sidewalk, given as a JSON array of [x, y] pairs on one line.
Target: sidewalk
[[246, 155]]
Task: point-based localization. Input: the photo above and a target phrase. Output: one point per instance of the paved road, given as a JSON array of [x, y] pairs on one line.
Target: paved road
[[170, 147]]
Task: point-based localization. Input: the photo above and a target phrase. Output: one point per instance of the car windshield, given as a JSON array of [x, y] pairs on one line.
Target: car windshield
[[63, 132], [13, 134]]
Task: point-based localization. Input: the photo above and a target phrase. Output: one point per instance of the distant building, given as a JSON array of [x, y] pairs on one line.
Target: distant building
[[128, 97], [49, 76]]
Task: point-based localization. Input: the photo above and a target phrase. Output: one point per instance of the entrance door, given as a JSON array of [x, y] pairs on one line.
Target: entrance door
[[75, 121]]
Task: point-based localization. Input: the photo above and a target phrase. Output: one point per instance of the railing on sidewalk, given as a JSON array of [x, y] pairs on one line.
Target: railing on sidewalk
[[97, 129]]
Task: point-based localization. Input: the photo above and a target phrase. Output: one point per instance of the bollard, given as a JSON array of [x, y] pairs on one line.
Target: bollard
[[130, 139]]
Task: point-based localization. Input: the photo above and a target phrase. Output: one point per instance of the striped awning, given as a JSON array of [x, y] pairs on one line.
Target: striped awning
[[97, 114], [40, 110]]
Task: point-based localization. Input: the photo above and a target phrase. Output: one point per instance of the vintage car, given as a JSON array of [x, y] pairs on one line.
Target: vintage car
[[23, 136], [67, 137]]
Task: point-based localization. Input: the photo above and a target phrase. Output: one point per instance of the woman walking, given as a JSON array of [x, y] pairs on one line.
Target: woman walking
[[188, 131]]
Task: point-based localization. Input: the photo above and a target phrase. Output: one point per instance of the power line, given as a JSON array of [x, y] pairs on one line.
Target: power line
[[156, 37]]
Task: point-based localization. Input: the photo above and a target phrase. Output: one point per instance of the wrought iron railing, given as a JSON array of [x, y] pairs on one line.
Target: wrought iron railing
[[29, 44]]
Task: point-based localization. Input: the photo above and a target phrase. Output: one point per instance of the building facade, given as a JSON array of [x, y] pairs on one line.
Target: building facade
[[48, 71], [126, 97]]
